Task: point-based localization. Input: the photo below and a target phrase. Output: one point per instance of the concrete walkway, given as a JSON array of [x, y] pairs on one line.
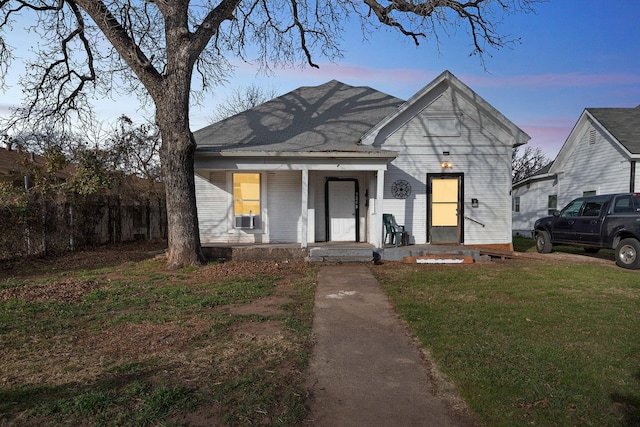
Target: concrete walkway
[[365, 369]]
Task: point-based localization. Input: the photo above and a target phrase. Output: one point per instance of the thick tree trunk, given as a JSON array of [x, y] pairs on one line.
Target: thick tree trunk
[[176, 156], [182, 218], [171, 93]]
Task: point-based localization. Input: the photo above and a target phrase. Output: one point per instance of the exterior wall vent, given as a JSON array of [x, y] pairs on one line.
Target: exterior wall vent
[[592, 136]]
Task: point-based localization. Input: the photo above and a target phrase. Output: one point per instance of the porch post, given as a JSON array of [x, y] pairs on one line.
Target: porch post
[[379, 204], [304, 232]]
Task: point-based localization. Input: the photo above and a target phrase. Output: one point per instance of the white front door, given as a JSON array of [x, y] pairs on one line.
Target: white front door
[[342, 211]]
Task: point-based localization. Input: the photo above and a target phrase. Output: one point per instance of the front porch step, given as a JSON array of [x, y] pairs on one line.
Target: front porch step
[[438, 259], [430, 254], [433, 254], [340, 255]]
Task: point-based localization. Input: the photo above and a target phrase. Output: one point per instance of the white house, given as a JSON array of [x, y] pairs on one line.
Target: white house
[[533, 198], [598, 157], [322, 164]]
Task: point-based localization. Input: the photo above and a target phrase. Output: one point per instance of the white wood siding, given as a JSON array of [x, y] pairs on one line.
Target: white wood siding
[[599, 167], [482, 151], [283, 208], [212, 202], [534, 202]]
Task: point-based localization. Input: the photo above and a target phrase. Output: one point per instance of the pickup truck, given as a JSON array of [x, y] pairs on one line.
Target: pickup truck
[[595, 222]]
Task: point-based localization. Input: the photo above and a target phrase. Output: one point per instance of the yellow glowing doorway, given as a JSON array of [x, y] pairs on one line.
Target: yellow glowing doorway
[[445, 209]]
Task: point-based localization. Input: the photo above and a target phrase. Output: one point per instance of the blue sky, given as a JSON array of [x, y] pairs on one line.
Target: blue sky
[[573, 54]]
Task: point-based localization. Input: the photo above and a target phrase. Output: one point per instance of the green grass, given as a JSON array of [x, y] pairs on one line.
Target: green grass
[[526, 342], [141, 345], [530, 342]]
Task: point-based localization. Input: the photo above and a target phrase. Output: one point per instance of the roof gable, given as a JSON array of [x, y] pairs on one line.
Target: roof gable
[[329, 117], [430, 93], [622, 123]]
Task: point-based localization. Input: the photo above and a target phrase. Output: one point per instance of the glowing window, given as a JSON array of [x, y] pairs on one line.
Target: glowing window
[[246, 200]]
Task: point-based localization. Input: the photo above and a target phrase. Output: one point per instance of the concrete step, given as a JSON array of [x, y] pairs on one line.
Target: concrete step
[[433, 254], [340, 255]]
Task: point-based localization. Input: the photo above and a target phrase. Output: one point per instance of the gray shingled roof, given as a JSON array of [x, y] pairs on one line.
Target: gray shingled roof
[[543, 170], [329, 117], [622, 123]]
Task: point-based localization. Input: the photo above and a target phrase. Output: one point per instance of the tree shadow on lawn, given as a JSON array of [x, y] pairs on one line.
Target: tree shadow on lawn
[[143, 395], [629, 404], [85, 259]]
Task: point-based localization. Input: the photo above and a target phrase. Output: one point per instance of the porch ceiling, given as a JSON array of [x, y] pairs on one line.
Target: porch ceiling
[[265, 160]]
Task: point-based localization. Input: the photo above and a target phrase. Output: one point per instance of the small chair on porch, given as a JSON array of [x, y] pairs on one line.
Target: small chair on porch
[[392, 230]]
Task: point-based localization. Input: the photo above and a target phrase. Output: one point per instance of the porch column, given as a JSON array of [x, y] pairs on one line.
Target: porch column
[[378, 234], [304, 232]]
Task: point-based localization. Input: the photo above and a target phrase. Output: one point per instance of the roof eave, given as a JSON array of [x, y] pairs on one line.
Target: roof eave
[[384, 154], [534, 178]]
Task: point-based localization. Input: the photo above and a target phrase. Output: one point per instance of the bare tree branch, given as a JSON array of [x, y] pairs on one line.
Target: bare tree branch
[[242, 100], [527, 163]]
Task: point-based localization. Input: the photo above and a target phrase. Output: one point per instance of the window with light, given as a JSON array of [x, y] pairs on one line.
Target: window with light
[[246, 200]]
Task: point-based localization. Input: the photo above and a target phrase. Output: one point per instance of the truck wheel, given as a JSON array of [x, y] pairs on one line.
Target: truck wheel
[[628, 253], [543, 242]]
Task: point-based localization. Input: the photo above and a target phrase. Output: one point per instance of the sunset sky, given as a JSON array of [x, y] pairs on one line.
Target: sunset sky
[[573, 54]]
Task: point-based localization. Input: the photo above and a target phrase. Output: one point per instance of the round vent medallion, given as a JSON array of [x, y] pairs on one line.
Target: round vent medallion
[[401, 189]]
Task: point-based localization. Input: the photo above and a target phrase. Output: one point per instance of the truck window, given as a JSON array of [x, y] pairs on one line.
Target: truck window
[[572, 209], [627, 204], [592, 209], [624, 204]]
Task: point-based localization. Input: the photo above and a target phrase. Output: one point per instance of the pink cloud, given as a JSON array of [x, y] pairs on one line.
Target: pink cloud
[[414, 77], [548, 134], [353, 73], [554, 80]]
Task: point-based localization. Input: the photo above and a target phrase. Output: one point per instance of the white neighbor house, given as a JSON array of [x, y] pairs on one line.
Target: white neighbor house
[[322, 164], [598, 157]]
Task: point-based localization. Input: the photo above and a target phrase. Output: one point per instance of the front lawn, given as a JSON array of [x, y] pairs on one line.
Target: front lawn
[[97, 339], [113, 338], [529, 342]]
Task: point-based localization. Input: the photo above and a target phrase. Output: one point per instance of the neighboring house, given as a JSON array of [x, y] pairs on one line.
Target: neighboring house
[[533, 198], [16, 166], [322, 164], [598, 157]]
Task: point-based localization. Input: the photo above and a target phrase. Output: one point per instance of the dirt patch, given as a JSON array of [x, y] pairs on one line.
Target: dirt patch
[[234, 269], [269, 306], [602, 259], [70, 290], [259, 329], [134, 338]]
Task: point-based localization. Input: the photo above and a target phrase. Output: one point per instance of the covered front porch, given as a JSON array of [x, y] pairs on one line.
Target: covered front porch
[[299, 198]]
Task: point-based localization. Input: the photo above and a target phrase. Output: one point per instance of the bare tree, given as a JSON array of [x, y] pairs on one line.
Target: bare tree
[[525, 164], [135, 148], [89, 48], [40, 139], [242, 100]]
